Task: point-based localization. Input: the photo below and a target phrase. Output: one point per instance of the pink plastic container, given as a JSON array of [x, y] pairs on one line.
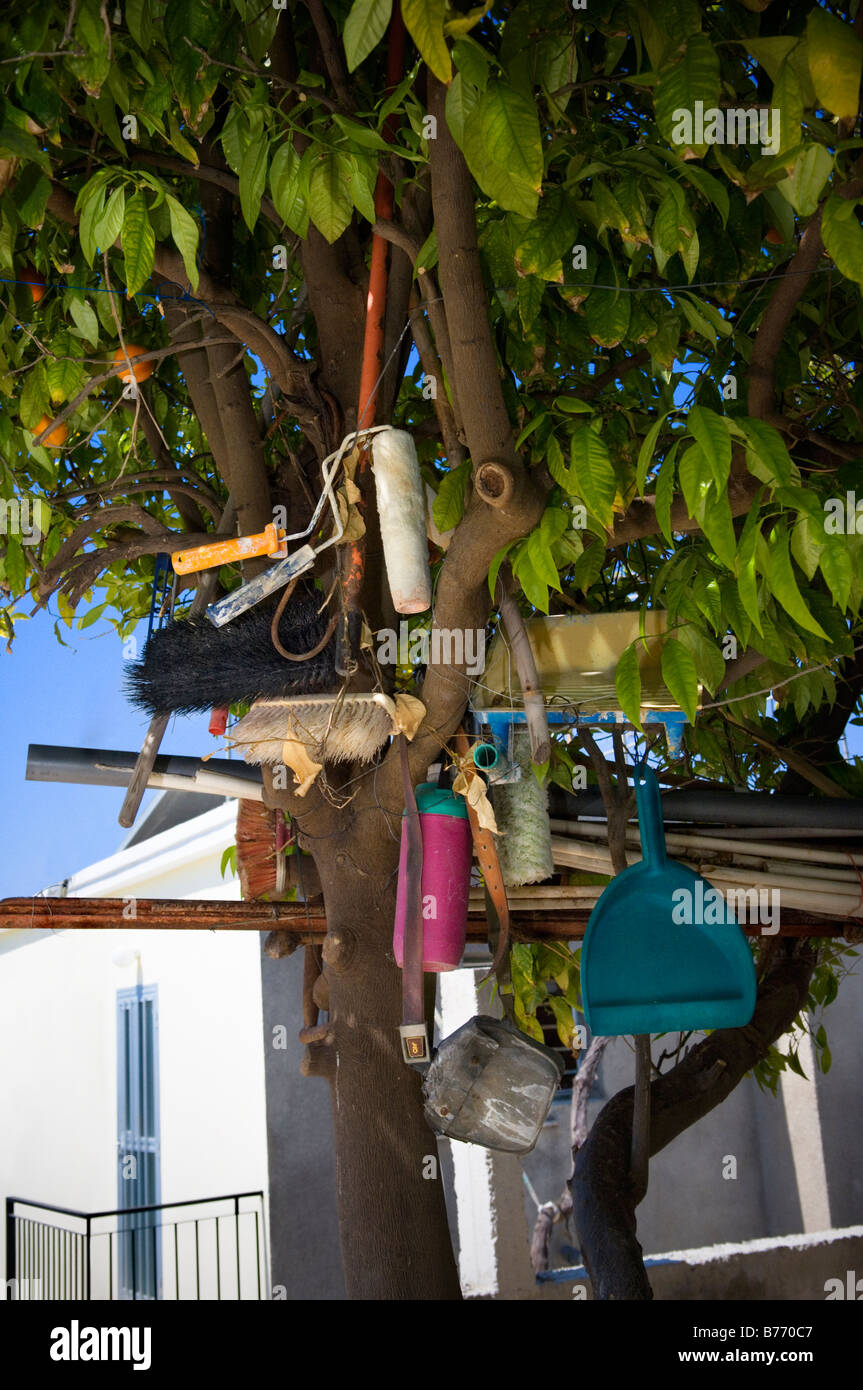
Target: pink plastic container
[[447, 853]]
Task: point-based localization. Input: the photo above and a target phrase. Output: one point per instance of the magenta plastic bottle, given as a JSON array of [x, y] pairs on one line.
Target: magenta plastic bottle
[[447, 854]]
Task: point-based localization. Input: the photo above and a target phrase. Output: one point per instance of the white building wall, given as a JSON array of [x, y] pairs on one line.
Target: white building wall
[[58, 1047]]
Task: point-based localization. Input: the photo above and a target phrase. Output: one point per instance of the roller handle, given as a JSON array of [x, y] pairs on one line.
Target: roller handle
[[270, 541], [650, 822]]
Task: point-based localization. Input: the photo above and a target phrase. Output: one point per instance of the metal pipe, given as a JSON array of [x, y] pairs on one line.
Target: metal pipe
[[732, 808], [109, 767]]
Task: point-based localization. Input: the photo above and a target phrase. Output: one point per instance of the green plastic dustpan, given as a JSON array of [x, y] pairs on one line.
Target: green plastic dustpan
[[642, 971]]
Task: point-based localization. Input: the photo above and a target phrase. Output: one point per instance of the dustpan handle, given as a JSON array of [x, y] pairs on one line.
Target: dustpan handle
[[650, 817]]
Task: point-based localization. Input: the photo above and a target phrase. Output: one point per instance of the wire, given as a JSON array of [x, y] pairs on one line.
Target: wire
[[695, 285], [158, 296]]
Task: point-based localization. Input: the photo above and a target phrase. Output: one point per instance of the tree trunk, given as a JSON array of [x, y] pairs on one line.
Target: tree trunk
[[392, 1216]]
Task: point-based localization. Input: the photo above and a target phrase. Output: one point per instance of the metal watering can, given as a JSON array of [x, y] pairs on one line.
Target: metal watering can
[[491, 1084]]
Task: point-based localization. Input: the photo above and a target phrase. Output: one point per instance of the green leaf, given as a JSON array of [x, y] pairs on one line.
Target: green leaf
[[34, 401], [665, 493], [594, 474], [709, 661], [771, 53], [529, 428], [711, 432], [627, 683], [571, 405], [330, 201], [534, 587], [588, 566], [783, 585], [91, 211], [183, 147], [365, 26], [139, 21], [807, 543], [361, 176], [680, 676], [92, 616], [32, 190], [84, 318], [556, 465], [690, 308], [564, 1019], [835, 562], [538, 552], [695, 77], [788, 101], [139, 243], [463, 23], [696, 480], [547, 238], [287, 189], [14, 564], [184, 230], [64, 377], [448, 507], [719, 528], [843, 237], [229, 860], [109, 223], [424, 21], [494, 568], [645, 453], [503, 148], [747, 579], [608, 313], [809, 173], [835, 62], [766, 455], [472, 59], [253, 180], [461, 101]]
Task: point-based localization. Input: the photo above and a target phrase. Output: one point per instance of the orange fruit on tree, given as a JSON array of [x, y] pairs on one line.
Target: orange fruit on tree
[[141, 370], [774, 236], [35, 280], [57, 438]]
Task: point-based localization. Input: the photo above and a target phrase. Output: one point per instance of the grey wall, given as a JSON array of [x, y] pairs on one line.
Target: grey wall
[[304, 1237], [689, 1203]]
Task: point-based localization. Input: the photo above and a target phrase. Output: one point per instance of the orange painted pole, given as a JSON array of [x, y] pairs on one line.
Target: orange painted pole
[[373, 347]]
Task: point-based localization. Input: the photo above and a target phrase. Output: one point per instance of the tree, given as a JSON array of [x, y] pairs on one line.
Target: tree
[[587, 222]]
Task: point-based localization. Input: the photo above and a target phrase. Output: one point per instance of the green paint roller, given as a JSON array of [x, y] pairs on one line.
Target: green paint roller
[[521, 812]]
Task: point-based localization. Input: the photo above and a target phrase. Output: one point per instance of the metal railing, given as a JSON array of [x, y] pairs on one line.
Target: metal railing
[[138, 1252]]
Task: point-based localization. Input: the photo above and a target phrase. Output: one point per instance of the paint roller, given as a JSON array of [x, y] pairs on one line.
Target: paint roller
[[402, 512], [521, 812]]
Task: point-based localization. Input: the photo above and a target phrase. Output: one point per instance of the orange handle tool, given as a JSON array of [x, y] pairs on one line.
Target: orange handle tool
[[270, 541]]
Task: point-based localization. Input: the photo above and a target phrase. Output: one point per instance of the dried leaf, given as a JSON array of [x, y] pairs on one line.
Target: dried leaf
[[470, 785], [410, 713], [297, 759], [346, 499], [405, 711]]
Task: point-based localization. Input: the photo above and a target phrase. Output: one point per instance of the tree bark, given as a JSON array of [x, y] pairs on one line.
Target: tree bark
[[392, 1217]]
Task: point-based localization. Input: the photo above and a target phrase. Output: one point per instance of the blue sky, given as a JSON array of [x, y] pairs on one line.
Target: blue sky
[[68, 695]]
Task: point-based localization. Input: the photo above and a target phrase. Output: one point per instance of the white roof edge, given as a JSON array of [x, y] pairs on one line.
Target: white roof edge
[[189, 840]]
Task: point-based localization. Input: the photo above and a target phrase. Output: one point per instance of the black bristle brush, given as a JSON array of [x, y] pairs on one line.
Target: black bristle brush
[[190, 665]]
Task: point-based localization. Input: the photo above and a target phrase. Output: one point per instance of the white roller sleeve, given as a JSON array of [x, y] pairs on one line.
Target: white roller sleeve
[[402, 513]]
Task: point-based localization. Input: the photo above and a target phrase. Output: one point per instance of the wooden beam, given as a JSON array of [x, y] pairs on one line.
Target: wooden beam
[[555, 919]]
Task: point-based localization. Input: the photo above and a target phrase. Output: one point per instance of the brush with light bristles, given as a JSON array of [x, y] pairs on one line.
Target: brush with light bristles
[[332, 728]]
